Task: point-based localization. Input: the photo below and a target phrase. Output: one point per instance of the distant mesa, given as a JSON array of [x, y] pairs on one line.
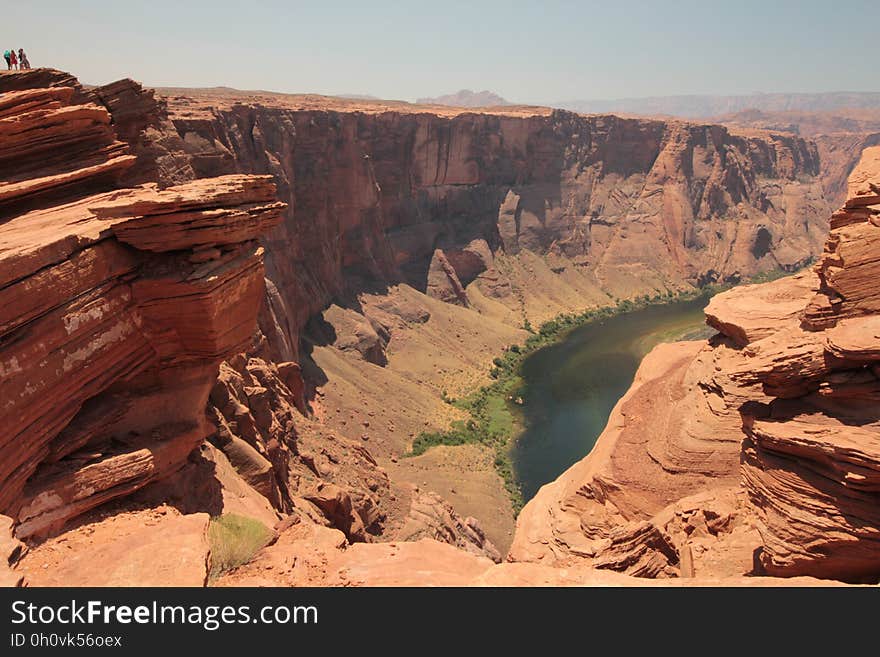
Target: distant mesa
[[467, 98], [702, 106], [358, 97], [805, 123]]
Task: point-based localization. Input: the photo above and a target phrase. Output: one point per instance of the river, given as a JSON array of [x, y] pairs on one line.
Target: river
[[569, 388]]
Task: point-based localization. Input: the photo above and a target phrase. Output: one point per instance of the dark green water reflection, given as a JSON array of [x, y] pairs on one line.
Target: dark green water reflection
[[570, 388]]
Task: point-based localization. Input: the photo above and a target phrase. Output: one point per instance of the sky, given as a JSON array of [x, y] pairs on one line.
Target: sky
[[530, 52]]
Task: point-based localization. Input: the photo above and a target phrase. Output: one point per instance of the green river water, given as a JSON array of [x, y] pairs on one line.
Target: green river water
[[569, 388]]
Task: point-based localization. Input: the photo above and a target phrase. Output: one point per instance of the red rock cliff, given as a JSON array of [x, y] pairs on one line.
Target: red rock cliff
[[116, 305], [811, 458]]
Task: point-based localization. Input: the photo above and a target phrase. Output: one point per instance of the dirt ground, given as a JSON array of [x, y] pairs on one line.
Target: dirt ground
[[465, 476]]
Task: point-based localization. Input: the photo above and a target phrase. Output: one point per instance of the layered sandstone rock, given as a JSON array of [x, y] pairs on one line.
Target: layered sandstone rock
[[628, 505], [753, 312], [151, 547], [848, 267], [11, 551], [50, 144], [810, 464], [117, 308], [310, 555], [141, 120]]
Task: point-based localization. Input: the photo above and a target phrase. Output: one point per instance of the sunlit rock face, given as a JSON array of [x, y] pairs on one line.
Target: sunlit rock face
[[118, 304]]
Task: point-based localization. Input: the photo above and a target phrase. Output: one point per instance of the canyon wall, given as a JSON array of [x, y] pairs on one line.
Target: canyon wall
[[515, 216], [380, 197], [840, 136]]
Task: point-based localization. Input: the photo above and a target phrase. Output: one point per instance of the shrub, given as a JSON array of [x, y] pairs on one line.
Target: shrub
[[234, 540], [549, 328]]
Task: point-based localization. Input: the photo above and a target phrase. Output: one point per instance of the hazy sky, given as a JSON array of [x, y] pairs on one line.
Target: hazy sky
[[539, 51]]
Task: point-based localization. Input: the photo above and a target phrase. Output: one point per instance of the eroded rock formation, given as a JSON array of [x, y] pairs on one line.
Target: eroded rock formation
[[811, 459], [117, 307]]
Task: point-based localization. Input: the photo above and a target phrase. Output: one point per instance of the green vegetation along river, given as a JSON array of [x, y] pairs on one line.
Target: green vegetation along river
[[568, 389]]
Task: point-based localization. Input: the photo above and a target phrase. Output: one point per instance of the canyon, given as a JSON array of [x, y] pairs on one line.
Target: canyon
[[221, 302]]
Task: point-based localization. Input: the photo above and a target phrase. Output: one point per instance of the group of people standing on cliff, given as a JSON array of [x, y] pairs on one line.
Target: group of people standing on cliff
[[16, 61]]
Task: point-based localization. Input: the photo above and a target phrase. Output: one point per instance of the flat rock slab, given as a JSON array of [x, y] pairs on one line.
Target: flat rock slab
[[856, 339], [752, 312], [140, 548]]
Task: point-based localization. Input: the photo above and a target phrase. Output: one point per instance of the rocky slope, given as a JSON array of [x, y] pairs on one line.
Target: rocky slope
[[794, 369]]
